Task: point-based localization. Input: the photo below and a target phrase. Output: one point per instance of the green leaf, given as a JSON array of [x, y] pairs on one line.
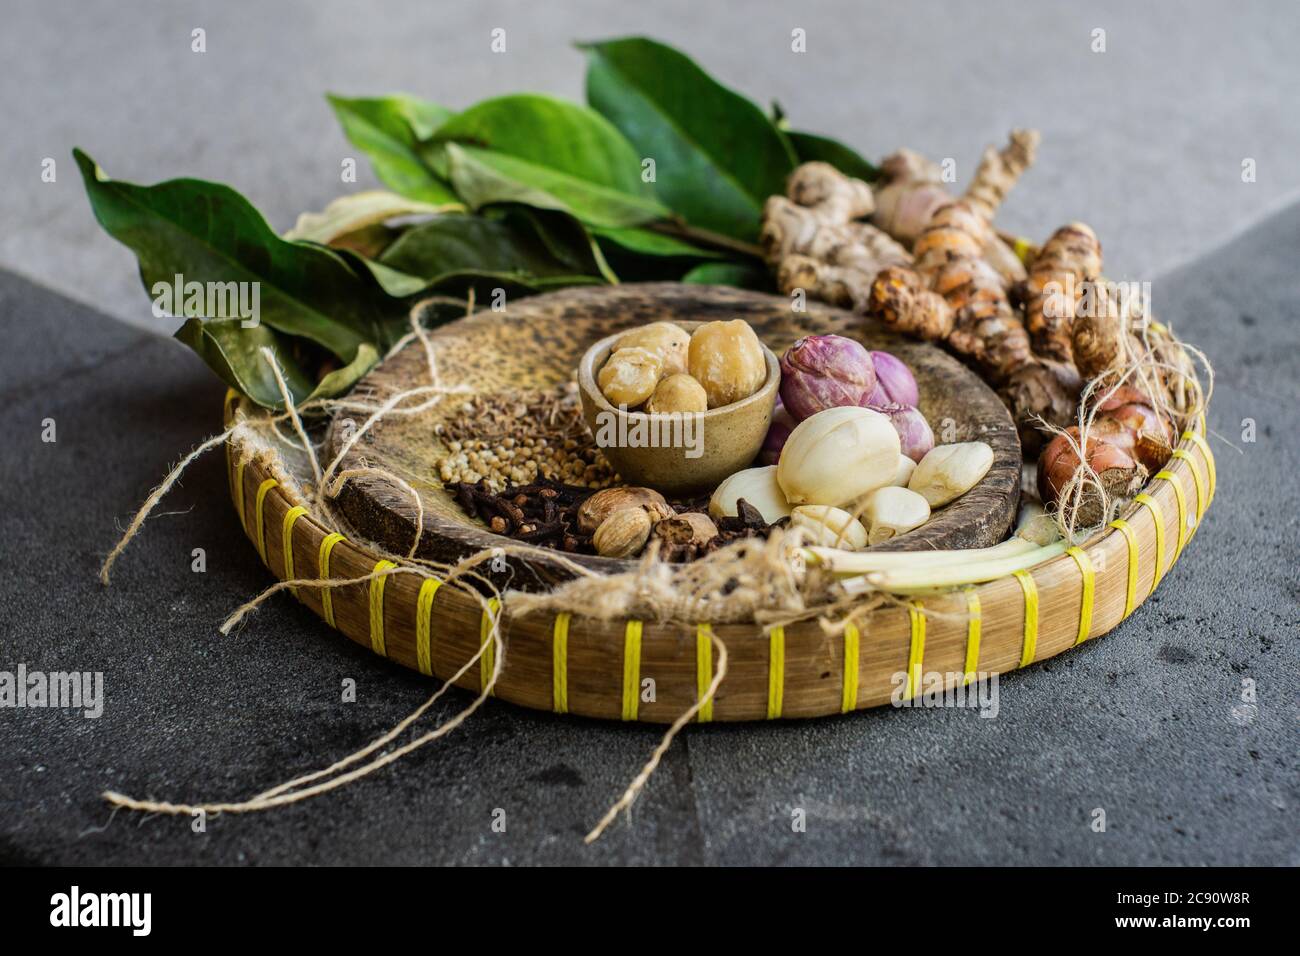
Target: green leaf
[[340, 380], [388, 129], [739, 274], [567, 240], [717, 156], [810, 146], [235, 354], [446, 264], [646, 242], [391, 282], [206, 232], [547, 153], [447, 244]]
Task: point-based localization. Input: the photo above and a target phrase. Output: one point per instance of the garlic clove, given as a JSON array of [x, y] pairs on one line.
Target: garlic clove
[[949, 471], [759, 488], [891, 511], [830, 527], [838, 456], [904, 474]]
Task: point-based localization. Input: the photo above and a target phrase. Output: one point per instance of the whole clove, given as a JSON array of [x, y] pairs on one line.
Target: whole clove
[[545, 513]]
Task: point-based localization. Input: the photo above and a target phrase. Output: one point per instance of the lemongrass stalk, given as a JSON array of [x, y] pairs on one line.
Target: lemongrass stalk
[[912, 580], [1035, 530], [866, 562]]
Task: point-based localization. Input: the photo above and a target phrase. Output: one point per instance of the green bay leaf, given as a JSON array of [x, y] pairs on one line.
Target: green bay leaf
[[208, 233], [717, 155], [810, 147], [547, 153], [389, 130]]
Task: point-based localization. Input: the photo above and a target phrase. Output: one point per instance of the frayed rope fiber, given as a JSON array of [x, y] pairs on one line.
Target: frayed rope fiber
[[325, 486]]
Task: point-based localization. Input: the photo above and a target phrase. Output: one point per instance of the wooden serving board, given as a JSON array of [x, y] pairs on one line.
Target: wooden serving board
[[536, 343]]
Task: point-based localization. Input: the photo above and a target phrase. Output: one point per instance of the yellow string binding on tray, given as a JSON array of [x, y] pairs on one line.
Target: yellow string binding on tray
[[704, 669], [1180, 501], [916, 649], [488, 662], [1198, 481], [775, 672], [377, 608], [560, 663], [1030, 589], [849, 697], [286, 541], [1158, 517], [424, 625], [239, 495], [1200, 442], [259, 517], [1130, 590], [323, 567], [1089, 589], [631, 669], [973, 616]]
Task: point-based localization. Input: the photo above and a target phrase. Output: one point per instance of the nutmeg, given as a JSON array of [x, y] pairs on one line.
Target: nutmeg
[[623, 534], [593, 512], [691, 528]]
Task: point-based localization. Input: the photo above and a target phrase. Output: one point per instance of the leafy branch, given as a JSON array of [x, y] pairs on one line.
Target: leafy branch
[[662, 176]]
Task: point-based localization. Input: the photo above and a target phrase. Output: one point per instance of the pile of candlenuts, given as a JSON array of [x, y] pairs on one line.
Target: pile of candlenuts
[[662, 368]]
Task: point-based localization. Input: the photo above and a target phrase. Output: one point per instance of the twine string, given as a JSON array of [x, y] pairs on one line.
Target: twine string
[[641, 779]]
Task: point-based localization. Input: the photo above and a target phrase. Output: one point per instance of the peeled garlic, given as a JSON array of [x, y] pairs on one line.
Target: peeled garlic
[[838, 456], [759, 488], [949, 471], [830, 527], [891, 511], [904, 474]]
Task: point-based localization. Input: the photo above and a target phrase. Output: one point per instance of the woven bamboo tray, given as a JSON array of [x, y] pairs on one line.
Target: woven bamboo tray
[[570, 664]]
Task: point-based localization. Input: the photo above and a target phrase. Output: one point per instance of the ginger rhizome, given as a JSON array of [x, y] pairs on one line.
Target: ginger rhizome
[[932, 266], [1056, 281], [813, 242], [911, 191], [955, 293]]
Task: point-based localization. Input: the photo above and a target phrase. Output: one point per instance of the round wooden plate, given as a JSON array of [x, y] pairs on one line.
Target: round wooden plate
[[537, 343]]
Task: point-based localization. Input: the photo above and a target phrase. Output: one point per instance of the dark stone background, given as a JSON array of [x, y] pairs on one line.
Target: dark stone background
[[1140, 723]]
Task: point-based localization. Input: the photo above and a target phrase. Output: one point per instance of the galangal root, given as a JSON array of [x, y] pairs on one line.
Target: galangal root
[[932, 266]]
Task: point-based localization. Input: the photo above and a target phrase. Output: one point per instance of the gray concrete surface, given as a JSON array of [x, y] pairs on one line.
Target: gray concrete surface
[[1145, 141], [1146, 723]]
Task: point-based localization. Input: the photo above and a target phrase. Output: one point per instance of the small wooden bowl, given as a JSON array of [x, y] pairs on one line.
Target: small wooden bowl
[[689, 454]]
